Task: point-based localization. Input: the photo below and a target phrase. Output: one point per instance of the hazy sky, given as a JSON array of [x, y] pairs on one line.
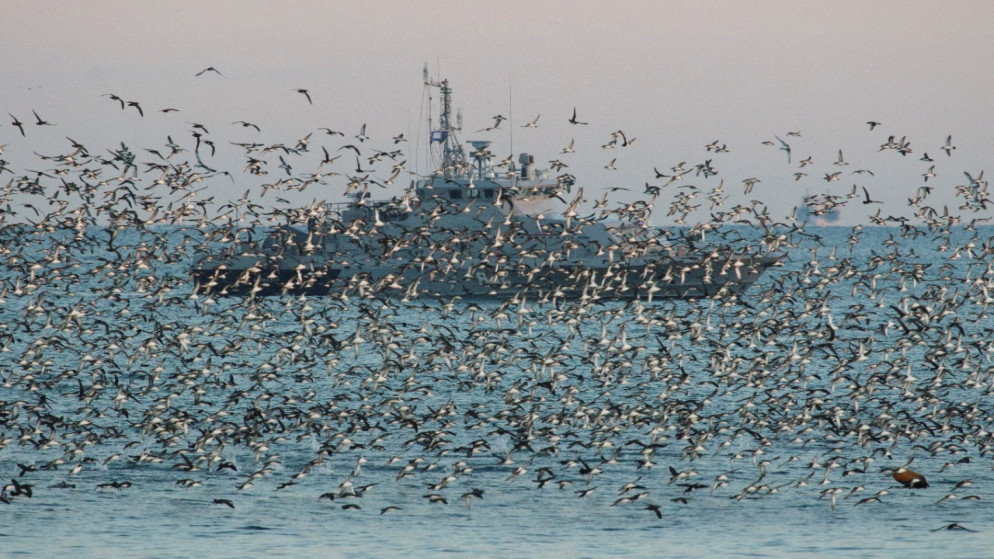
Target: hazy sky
[[674, 75]]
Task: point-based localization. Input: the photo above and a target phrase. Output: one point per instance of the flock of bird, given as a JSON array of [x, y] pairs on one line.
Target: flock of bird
[[829, 377]]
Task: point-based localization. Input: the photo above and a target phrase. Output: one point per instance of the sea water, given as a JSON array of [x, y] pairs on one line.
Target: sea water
[[302, 395]]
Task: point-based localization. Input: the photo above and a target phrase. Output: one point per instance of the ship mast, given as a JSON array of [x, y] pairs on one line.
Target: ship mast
[[453, 157]]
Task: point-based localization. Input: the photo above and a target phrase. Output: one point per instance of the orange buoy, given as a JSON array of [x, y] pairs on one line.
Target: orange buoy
[[910, 478]]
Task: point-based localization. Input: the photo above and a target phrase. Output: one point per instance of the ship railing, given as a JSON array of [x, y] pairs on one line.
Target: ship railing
[[337, 208], [389, 210]]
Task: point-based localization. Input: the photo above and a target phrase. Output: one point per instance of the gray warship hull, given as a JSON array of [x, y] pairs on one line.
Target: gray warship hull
[[474, 228], [646, 282]]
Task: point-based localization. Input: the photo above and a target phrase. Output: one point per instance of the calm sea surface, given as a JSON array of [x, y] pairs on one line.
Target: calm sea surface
[[147, 423]]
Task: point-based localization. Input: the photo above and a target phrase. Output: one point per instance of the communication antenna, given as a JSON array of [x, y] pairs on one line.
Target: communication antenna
[[510, 112], [426, 103], [445, 134]]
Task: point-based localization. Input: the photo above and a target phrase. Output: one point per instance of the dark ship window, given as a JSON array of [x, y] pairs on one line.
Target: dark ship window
[[455, 194], [488, 193]]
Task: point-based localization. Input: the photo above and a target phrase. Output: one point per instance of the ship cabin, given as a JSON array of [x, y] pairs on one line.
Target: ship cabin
[[481, 179]]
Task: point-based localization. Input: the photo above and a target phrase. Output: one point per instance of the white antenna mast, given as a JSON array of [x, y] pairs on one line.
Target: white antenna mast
[[510, 113]]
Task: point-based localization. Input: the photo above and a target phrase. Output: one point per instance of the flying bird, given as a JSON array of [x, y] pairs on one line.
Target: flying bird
[[208, 69], [785, 147], [974, 182], [497, 120], [949, 147], [247, 125], [115, 98], [953, 526], [307, 94], [749, 183], [573, 119], [361, 136], [17, 123], [39, 121], [532, 124], [867, 200]]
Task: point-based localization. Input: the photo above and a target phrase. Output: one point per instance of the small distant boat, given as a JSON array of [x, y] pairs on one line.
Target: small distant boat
[[820, 210], [476, 228]]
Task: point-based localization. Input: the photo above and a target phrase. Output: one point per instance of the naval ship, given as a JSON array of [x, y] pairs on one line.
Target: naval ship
[[476, 228]]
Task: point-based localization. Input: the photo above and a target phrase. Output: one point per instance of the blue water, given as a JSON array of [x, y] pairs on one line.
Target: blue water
[[115, 374]]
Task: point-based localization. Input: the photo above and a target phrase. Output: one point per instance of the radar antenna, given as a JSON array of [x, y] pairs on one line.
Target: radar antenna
[[453, 156]]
